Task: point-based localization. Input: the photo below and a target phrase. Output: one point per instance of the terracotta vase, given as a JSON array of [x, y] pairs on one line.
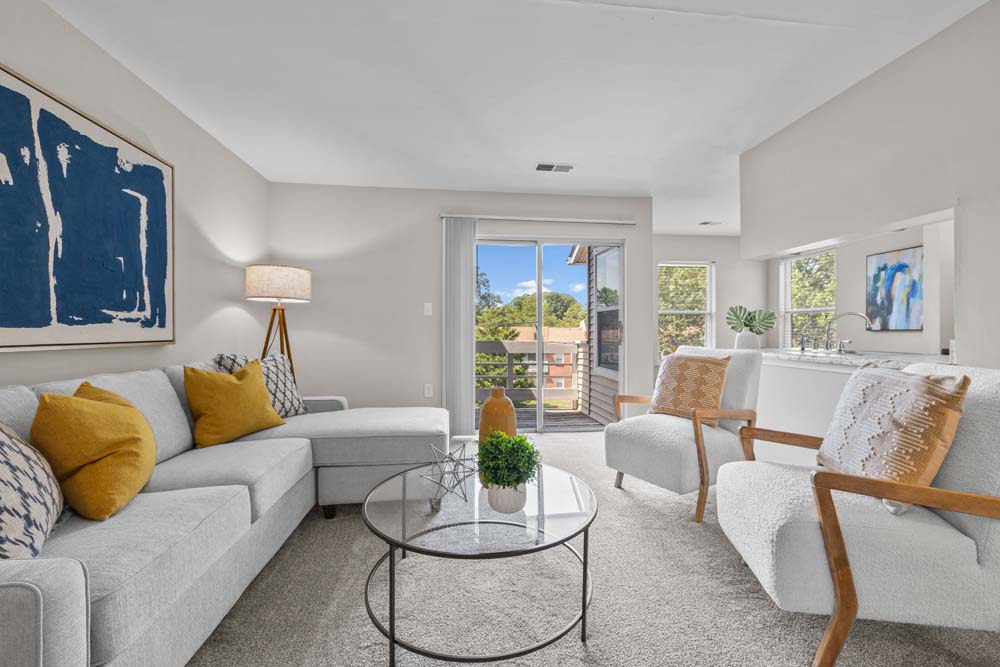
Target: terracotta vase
[[497, 414]]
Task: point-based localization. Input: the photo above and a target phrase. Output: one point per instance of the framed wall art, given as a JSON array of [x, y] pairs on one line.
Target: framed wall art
[[86, 228]]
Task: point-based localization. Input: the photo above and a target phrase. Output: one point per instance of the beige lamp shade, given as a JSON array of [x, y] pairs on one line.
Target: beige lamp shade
[[277, 282]]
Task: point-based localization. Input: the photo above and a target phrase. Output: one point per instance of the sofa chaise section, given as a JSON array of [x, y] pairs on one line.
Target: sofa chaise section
[[353, 450]]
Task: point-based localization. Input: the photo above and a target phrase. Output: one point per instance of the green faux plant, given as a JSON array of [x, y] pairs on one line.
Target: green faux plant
[[506, 460], [758, 321]]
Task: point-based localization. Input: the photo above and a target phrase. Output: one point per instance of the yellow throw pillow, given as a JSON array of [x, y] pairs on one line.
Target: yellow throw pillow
[[894, 425], [686, 382], [101, 448], [226, 407]]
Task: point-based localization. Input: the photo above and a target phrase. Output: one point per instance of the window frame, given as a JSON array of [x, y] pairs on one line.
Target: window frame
[[710, 314], [598, 309], [785, 309]]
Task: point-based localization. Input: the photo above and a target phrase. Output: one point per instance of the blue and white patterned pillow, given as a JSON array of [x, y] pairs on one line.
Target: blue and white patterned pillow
[[278, 378], [30, 498]]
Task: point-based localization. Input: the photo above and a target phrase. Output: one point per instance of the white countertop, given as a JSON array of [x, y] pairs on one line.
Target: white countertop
[[895, 360]]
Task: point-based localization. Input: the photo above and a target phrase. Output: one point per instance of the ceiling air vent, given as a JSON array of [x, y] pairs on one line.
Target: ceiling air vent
[[553, 166]]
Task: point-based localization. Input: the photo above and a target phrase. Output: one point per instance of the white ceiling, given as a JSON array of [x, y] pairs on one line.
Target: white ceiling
[[645, 97]]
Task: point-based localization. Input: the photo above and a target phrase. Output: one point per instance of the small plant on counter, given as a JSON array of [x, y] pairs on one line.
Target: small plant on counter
[[506, 460], [757, 321]]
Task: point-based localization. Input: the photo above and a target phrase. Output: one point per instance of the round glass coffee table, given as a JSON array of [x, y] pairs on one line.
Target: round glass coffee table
[[446, 514]]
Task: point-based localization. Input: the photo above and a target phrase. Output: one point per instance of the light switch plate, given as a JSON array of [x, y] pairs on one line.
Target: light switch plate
[[428, 391], [428, 308]]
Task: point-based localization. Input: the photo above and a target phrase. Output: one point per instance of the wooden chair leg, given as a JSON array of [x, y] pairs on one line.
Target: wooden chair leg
[[845, 607], [699, 442], [619, 478]]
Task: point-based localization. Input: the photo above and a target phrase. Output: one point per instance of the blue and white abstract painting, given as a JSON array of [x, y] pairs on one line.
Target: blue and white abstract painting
[[85, 229], [895, 294]]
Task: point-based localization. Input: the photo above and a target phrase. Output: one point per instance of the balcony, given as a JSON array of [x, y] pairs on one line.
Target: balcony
[[566, 375]]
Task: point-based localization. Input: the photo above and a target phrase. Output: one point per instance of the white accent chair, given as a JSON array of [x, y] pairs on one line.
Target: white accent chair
[[936, 564], [681, 454]]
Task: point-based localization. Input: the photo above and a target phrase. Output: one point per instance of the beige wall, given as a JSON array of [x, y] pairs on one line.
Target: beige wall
[[220, 207], [920, 135], [376, 259], [738, 281]]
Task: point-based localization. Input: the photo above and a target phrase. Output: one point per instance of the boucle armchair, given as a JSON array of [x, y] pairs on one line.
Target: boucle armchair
[[681, 454], [822, 542]]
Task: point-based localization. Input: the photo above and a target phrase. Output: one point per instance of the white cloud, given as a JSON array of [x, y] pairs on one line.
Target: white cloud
[[530, 287], [578, 287]]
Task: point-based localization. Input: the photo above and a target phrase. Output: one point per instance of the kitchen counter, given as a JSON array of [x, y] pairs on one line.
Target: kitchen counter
[[897, 360]]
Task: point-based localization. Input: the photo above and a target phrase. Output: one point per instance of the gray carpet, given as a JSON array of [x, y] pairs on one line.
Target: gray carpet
[[667, 592]]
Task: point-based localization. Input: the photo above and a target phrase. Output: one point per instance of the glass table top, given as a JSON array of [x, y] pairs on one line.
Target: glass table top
[[412, 511]]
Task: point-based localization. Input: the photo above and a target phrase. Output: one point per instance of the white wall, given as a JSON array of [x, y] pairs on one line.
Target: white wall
[[918, 136], [376, 259], [738, 281], [939, 268], [220, 206]]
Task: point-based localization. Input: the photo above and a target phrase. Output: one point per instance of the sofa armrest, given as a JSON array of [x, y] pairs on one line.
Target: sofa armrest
[[325, 403], [44, 612], [621, 399]]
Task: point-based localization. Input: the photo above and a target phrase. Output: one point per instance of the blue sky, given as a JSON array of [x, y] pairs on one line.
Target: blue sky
[[511, 270]]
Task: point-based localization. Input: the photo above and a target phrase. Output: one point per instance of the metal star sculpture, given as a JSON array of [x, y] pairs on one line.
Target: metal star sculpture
[[449, 472]]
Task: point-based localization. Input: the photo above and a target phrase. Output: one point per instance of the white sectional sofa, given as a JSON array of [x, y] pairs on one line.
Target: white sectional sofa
[[148, 586]]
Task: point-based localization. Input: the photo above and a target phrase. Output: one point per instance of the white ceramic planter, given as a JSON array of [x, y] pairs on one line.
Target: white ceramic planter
[[506, 499], [747, 340]]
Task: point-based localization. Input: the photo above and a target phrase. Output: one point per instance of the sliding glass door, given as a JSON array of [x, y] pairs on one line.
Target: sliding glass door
[[548, 330]]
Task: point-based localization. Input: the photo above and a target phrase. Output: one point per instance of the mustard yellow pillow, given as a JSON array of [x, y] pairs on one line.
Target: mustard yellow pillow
[[226, 407], [100, 447], [686, 382]]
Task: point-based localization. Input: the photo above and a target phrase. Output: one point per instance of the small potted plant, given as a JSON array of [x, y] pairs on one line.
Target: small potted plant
[[748, 325], [506, 463]]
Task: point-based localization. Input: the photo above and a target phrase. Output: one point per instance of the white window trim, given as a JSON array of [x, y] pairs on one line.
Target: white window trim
[[595, 366], [785, 310], [709, 301]]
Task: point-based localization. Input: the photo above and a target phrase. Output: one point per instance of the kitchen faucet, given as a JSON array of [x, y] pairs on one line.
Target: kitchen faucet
[[841, 344]]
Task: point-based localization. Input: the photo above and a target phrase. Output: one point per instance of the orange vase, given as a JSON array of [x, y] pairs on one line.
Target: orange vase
[[497, 414]]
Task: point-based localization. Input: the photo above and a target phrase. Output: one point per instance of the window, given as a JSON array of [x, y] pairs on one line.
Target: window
[[560, 383], [608, 307], [686, 305], [558, 358], [808, 298]]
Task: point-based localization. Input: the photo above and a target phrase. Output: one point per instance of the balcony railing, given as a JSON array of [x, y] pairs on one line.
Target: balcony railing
[[521, 355]]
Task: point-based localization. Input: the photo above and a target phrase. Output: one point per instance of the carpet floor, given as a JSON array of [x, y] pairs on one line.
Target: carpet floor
[[667, 592]]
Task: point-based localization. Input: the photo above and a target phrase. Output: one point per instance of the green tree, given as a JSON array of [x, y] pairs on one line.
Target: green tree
[[813, 284], [485, 297], [682, 288]]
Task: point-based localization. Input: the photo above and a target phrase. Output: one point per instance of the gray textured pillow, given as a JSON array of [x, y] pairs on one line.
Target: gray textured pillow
[[278, 378], [30, 498]]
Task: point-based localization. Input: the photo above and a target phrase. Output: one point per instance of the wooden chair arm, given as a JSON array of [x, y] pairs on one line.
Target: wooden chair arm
[[628, 398], [845, 607], [750, 433], [925, 496], [698, 415]]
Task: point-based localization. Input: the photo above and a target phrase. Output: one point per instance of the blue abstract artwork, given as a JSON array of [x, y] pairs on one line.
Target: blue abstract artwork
[[86, 229], [895, 298]]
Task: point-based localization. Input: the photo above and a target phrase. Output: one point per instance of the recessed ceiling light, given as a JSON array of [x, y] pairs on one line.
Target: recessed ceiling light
[[709, 223], [553, 166]]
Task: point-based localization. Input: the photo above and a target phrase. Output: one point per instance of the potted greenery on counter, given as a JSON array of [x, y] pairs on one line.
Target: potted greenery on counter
[[748, 325], [506, 464]]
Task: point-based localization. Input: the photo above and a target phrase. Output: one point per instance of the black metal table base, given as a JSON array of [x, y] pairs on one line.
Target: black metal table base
[[394, 641]]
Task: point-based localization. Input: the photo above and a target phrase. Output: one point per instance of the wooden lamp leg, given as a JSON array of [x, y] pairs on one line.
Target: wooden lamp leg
[[267, 337], [286, 343]]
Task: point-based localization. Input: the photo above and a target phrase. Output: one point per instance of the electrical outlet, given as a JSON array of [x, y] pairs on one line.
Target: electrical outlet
[[428, 308], [428, 391]]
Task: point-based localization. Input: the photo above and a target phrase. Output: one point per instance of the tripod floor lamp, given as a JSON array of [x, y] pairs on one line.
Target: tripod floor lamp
[[278, 284]]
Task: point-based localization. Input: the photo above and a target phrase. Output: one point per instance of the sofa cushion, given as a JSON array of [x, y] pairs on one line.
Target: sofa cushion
[[17, 409], [143, 558], [660, 449], [363, 436], [151, 392], [268, 468], [900, 563]]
